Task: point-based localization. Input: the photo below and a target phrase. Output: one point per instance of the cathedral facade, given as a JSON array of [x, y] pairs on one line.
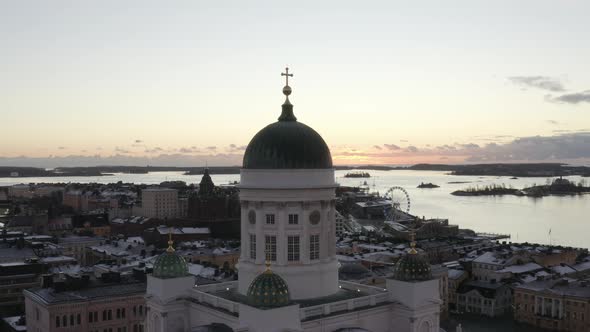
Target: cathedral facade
[[288, 271]]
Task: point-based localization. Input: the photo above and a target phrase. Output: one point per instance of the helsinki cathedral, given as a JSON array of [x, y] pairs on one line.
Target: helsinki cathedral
[[288, 270]]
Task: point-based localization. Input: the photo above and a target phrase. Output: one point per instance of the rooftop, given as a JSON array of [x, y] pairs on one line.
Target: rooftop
[[560, 287], [97, 290]]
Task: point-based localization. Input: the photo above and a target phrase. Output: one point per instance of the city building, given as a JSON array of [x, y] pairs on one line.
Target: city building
[[158, 236], [554, 304], [456, 278], [161, 203], [288, 267], [213, 204], [96, 224], [80, 303], [340, 228], [78, 246], [484, 298], [14, 278]]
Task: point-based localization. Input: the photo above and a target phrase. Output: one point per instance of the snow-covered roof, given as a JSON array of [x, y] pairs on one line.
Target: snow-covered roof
[[489, 258], [183, 230], [523, 268], [562, 269], [456, 274]]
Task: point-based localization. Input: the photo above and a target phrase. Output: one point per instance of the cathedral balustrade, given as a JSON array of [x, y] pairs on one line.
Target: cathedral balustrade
[[209, 295], [374, 296]]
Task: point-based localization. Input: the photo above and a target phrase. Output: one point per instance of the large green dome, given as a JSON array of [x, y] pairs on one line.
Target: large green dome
[[170, 265], [287, 144], [412, 267], [268, 290]]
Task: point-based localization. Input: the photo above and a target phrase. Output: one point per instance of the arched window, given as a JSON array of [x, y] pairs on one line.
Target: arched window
[[424, 326], [110, 314], [71, 320], [79, 319], [104, 315], [57, 321], [64, 320]]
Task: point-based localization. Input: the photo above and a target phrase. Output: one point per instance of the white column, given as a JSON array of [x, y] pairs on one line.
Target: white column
[[560, 309], [542, 306], [260, 244], [553, 308], [281, 219], [305, 233]]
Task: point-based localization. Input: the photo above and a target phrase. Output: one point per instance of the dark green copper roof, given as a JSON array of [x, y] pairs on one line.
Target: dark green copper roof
[[412, 267], [170, 265], [287, 144], [268, 290]]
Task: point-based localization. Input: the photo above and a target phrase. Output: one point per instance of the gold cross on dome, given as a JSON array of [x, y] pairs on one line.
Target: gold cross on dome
[[286, 74]]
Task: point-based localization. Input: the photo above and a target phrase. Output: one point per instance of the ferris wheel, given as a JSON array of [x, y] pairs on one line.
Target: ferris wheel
[[400, 202]]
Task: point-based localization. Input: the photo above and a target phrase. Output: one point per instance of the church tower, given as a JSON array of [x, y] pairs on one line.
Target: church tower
[[287, 193], [416, 292], [167, 288]]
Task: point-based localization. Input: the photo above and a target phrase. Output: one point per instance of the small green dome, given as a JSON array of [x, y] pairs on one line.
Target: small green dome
[[412, 267], [170, 265], [268, 290]]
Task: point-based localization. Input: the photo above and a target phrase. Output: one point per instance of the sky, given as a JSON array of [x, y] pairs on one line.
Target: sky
[[189, 83]]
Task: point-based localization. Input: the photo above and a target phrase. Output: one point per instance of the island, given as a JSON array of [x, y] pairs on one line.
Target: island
[[357, 175], [559, 186], [427, 185]]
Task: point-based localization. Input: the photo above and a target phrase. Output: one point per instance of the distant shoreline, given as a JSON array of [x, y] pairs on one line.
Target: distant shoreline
[[511, 170]]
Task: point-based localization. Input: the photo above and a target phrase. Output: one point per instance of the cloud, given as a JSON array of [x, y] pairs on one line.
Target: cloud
[[157, 149], [446, 147], [469, 146], [137, 141], [211, 148], [538, 82], [61, 147], [572, 98], [553, 122], [392, 147], [121, 150], [557, 148], [187, 150], [377, 147], [236, 148], [181, 160], [570, 147]]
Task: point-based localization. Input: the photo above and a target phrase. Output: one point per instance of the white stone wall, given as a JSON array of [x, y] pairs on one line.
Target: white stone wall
[[313, 195]]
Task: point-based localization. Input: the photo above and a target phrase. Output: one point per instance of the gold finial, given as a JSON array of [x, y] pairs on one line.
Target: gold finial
[[413, 242], [170, 242], [267, 263]]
